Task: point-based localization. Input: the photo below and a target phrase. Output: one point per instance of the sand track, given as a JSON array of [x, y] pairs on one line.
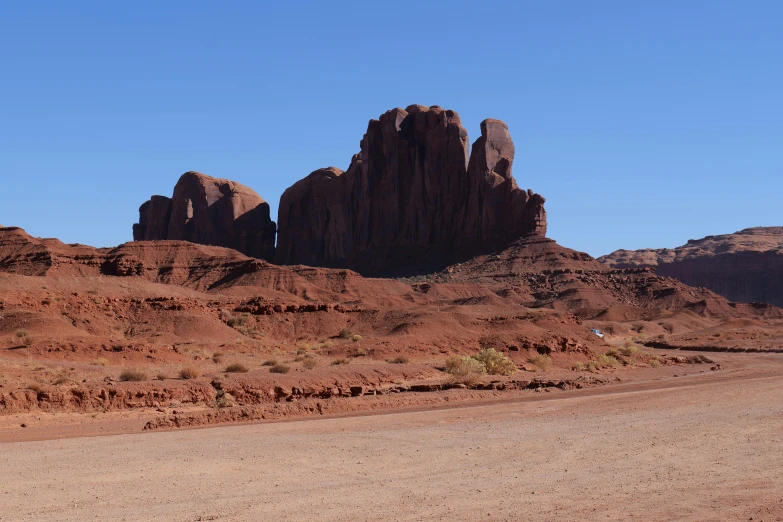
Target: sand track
[[702, 447]]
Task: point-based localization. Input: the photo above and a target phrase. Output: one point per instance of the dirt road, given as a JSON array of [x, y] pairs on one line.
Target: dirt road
[[703, 447]]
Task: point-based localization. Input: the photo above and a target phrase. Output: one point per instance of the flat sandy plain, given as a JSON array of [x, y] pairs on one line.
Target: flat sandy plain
[[704, 446]]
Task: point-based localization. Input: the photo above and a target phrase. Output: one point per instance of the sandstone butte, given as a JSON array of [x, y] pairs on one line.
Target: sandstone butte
[[412, 200], [210, 211]]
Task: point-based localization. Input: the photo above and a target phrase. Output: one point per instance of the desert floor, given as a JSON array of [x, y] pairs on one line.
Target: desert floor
[[706, 446]]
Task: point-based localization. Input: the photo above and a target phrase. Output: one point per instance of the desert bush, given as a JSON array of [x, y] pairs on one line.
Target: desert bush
[[542, 362], [188, 372], [279, 368], [345, 333], [133, 375], [465, 370], [629, 350], [236, 320], [269, 362], [101, 361], [495, 362], [309, 363], [654, 363], [22, 333], [613, 353], [578, 366], [607, 361], [236, 368], [338, 362], [401, 359], [217, 357], [356, 338], [162, 377]]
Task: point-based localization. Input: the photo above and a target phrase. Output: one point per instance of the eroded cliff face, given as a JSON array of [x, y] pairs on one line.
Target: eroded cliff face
[[412, 200], [746, 266], [210, 211]]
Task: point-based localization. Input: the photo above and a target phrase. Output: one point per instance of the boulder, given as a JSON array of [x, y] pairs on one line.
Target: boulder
[[210, 211]]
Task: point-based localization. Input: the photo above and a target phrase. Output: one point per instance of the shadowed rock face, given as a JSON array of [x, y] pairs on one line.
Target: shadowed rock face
[[746, 266], [412, 200], [210, 211]]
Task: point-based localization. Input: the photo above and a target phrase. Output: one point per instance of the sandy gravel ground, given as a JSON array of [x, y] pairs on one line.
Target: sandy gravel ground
[[702, 447]]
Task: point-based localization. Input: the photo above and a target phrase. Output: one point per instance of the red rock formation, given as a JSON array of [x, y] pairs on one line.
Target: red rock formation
[[746, 266], [411, 200], [210, 211]]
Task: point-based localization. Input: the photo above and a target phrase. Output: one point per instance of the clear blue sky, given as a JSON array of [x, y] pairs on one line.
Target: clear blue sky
[[644, 124]]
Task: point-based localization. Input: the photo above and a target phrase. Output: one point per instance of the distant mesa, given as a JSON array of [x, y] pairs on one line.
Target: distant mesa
[[210, 211], [746, 266], [413, 199]]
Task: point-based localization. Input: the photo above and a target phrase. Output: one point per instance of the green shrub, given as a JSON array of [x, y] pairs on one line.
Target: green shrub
[[607, 361], [541, 361], [465, 370], [629, 350], [495, 362]]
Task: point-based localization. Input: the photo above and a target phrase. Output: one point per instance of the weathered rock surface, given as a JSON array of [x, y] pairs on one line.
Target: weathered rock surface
[[746, 266], [412, 200], [210, 211]]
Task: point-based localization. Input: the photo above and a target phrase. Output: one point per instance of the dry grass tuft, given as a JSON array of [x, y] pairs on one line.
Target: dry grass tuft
[[237, 368], [133, 376], [189, 372]]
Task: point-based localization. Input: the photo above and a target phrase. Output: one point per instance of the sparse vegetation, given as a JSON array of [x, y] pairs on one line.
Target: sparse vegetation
[[279, 368], [629, 350], [100, 361], [162, 377], [605, 361], [309, 363], [237, 368], [465, 370], [269, 362], [338, 362], [188, 372], [24, 337], [345, 333], [578, 366], [133, 375], [541, 361], [217, 357], [495, 362], [356, 338], [401, 359]]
